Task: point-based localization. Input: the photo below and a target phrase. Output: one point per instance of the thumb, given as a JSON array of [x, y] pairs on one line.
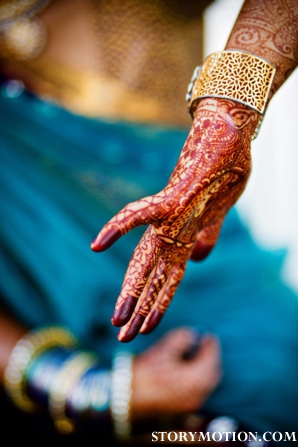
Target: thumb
[[207, 362], [177, 342]]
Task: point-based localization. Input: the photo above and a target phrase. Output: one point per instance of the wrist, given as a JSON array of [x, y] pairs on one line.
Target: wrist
[[47, 370], [238, 117]]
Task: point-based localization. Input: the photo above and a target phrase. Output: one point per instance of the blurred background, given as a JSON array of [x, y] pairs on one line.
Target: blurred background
[[86, 179]]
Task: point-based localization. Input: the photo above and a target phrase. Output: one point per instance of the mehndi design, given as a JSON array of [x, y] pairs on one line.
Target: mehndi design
[[185, 217]]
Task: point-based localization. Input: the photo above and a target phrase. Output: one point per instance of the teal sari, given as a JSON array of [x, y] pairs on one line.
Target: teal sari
[[64, 176]]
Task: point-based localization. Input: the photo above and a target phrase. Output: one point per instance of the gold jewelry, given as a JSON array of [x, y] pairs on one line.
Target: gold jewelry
[[66, 379], [23, 34], [233, 74], [121, 392], [24, 352]]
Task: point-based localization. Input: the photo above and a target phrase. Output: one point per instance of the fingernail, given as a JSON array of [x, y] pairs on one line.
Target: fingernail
[[126, 335], [123, 313], [194, 347], [199, 335], [101, 243], [201, 251], [152, 322]]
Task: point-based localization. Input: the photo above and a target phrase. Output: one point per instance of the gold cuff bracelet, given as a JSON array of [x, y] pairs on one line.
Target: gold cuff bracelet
[[235, 75]]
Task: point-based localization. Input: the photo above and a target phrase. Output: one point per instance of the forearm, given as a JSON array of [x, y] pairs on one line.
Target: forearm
[[10, 332], [270, 30], [48, 369]]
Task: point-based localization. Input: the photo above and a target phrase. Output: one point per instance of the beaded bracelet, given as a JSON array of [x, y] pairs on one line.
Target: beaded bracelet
[[27, 348], [90, 397], [73, 385], [78, 384], [65, 380], [121, 392]]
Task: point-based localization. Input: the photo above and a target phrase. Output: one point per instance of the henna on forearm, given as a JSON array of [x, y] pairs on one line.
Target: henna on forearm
[[269, 29]]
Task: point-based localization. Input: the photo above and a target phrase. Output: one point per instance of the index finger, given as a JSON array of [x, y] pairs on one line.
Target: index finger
[[142, 212]]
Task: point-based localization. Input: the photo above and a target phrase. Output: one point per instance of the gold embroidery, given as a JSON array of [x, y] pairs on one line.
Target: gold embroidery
[[93, 94]]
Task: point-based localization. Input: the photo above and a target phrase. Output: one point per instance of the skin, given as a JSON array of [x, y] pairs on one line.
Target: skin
[[10, 331], [156, 372], [185, 385], [175, 232], [71, 42], [185, 217], [111, 46]]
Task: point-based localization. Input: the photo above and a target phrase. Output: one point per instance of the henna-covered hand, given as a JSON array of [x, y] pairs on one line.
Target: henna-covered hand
[[185, 217], [165, 384]]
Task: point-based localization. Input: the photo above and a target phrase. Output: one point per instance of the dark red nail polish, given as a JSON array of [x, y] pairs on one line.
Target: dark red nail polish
[[122, 315], [153, 321], [201, 251], [104, 242], [133, 329]]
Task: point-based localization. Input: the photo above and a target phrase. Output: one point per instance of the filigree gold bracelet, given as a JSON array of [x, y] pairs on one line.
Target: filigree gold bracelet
[[235, 75]]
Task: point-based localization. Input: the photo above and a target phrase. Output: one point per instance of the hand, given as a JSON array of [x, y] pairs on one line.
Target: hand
[[185, 217], [165, 384]]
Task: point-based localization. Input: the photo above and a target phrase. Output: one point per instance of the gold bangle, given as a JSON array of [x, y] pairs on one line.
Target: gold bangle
[[67, 377], [121, 392], [27, 348], [233, 74]]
